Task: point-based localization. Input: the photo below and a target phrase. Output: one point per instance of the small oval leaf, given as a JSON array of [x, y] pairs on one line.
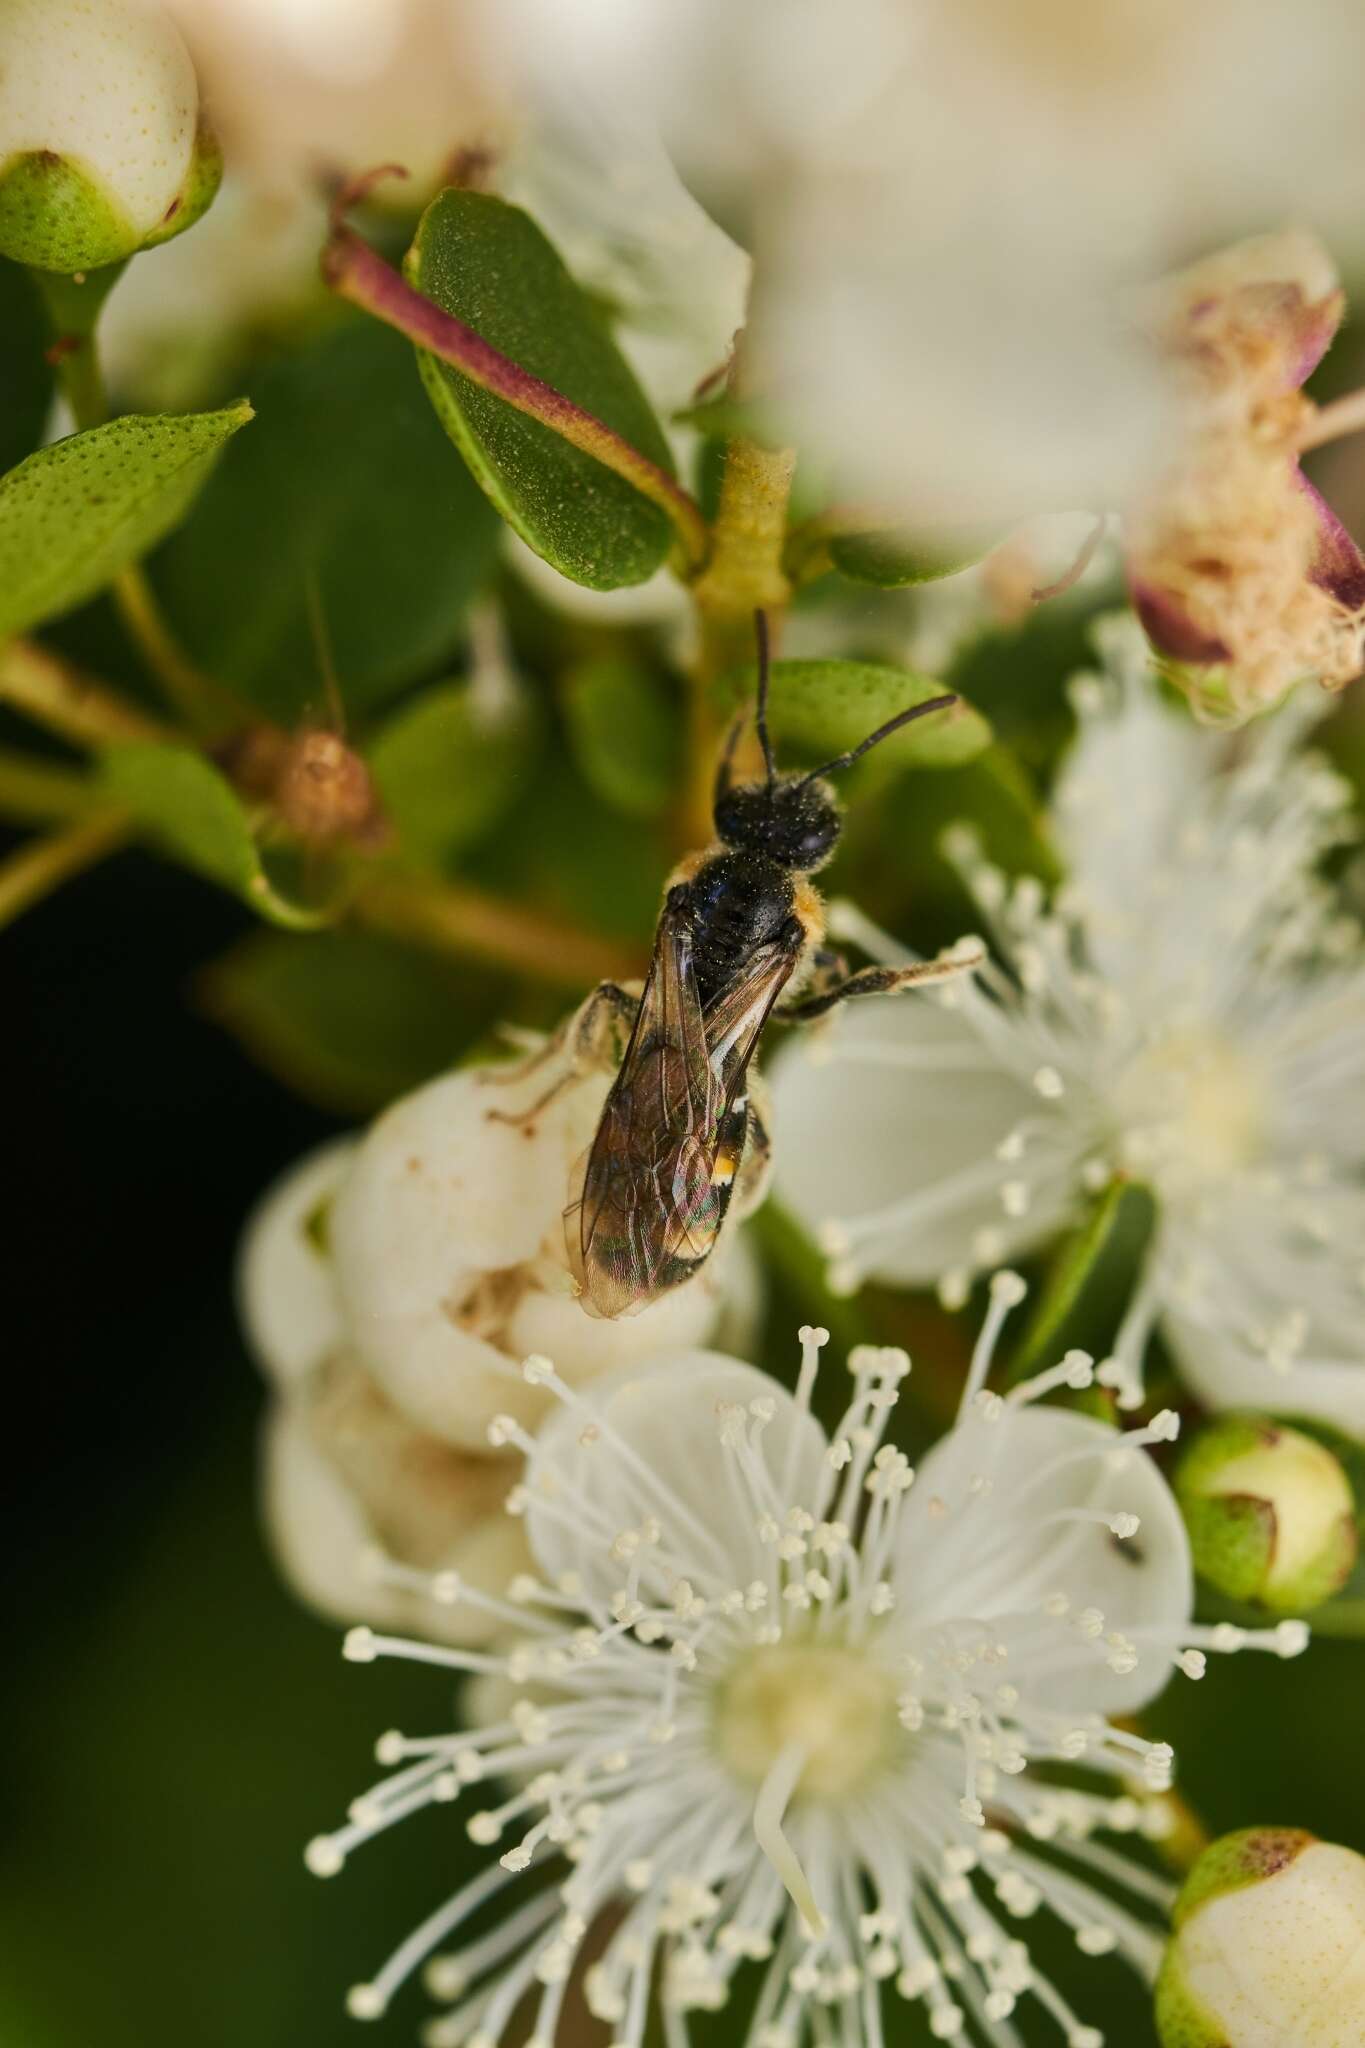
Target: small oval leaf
[[73, 514], [826, 707], [625, 730], [489, 264], [196, 814], [447, 768], [893, 556]]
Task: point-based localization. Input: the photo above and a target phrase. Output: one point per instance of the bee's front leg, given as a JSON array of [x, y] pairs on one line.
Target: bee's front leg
[[876, 981]]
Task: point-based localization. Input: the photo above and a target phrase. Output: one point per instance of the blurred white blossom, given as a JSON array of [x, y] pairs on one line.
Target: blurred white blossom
[[1188, 1010], [948, 205], [775, 1698]]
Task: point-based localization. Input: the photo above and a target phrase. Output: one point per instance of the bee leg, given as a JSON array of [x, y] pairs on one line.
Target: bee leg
[[875, 981], [593, 1039], [603, 1025]]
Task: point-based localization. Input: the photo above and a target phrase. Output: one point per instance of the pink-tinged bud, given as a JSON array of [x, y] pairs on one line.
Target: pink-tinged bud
[[1244, 579]]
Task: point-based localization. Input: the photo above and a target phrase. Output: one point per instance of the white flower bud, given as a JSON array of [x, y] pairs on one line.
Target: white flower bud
[[1269, 1511], [347, 1477], [286, 1295], [1269, 1945], [448, 1246], [102, 151]]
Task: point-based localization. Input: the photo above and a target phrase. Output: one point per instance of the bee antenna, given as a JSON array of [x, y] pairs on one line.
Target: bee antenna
[[761, 709], [883, 732]]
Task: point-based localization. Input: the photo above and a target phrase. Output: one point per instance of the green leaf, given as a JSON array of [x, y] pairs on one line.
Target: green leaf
[[26, 376], [490, 265], [347, 1019], [448, 767], [826, 707], [1090, 1281], [345, 488], [76, 513], [894, 556], [625, 730], [196, 814]]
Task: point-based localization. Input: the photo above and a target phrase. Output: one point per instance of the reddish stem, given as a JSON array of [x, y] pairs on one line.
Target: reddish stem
[[356, 272]]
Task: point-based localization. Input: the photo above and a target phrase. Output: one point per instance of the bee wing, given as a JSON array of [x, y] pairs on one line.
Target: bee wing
[[657, 1177]]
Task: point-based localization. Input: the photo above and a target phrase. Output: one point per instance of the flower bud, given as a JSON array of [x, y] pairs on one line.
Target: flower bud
[[352, 1490], [102, 148], [448, 1243], [1269, 1511], [1268, 1947]]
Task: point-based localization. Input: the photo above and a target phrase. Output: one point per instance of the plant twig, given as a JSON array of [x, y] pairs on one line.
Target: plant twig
[[203, 703], [450, 917], [356, 272], [743, 575], [41, 866], [36, 792], [61, 697]]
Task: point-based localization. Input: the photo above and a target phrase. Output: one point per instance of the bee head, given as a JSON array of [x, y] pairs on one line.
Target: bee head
[[794, 820]]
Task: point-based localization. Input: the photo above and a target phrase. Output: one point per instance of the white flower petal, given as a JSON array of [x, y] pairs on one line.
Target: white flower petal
[[664, 1417], [858, 1136], [286, 1295], [1001, 1552]]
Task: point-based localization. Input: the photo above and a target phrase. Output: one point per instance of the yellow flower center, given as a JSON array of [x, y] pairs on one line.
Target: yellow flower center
[[834, 1705], [1193, 1105]]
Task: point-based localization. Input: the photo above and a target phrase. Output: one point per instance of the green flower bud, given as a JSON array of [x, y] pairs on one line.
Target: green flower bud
[[1268, 1945], [1269, 1511], [102, 147]]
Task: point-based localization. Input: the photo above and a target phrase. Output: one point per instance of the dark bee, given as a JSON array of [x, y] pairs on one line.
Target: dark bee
[[741, 923]]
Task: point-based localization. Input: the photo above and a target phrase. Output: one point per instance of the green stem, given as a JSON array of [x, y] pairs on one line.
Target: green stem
[[74, 312], [69, 703], [36, 793], [44, 864], [743, 574], [204, 704], [355, 272], [449, 917]]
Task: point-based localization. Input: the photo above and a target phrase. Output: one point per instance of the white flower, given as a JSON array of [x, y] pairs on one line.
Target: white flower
[[100, 144], [775, 1698], [1269, 1948], [948, 205], [385, 1284], [1188, 1010]]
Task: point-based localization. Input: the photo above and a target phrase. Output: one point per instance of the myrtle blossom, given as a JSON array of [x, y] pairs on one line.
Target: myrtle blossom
[[385, 1282], [947, 206], [774, 1704], [1188, 1009]]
